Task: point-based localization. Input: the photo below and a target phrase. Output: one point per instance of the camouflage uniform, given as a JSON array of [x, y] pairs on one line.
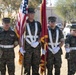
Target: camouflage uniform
[[71, 40], [32, 55], [54, 59], [7, 39], [67, 56]]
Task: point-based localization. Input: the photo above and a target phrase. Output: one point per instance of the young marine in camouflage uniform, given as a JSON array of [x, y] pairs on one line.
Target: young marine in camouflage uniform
[[32, 44], [55, 42], [8, 40], [70, 47]]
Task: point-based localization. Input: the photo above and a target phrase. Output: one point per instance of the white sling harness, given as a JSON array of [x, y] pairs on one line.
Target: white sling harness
[[32, 37], [53, 45]]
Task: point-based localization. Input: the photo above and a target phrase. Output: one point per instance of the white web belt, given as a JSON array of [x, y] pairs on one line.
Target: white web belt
[[72, 48], [6, 46]]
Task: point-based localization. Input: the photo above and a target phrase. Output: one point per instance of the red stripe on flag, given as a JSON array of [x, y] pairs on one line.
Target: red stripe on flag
[[21, 19], [44, 35]]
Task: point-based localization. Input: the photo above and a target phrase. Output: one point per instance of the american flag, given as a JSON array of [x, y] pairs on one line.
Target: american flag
[[21, 20]]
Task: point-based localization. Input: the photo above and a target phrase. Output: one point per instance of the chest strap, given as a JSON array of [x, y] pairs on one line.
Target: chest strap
[[30, 36], [51, 43]]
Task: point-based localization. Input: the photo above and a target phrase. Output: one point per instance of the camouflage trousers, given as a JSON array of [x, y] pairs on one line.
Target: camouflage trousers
[[72, 63], [54, 60], [32, 59], [10, 65], [68, 63], [67, 56]]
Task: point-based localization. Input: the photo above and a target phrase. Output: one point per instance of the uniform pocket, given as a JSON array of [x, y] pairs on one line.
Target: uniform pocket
[[1, 52]]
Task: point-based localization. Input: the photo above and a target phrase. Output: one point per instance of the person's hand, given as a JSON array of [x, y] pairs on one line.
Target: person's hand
[[22, 51], [34, 44], [56, 49], [67, 50], [43, 51]]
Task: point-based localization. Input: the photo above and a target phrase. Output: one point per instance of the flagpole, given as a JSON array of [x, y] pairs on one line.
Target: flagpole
[[23, 48], [45, 59], [22, 66], [22, 58]]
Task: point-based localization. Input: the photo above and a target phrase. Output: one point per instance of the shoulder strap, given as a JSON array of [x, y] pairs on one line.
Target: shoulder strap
[[32, 37], [29, 32], [57, 37], [36, 30], [50, 37]]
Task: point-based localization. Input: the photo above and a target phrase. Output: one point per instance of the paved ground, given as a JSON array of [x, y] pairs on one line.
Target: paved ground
[[18, 67]]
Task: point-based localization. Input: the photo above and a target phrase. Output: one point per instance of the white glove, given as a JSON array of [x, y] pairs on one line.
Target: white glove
[[43, 51], [22, 51], [67, 50], [56, 49], [34, 44]]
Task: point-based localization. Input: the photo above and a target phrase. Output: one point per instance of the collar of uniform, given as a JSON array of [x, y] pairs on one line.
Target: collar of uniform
[[29, 21], [7, 30], [53, 29], [72, 35]]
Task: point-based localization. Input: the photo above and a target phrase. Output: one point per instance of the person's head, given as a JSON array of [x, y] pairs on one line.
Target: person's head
[[31, 13], [52, 21], [6, 23], [73, 29]]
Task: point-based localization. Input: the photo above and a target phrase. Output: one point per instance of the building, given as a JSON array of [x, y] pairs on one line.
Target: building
[[50, 12]]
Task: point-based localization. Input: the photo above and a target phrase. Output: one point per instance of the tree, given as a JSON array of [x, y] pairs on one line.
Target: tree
[[66, 9], [34, 3], [16, 3], [13, 5]]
